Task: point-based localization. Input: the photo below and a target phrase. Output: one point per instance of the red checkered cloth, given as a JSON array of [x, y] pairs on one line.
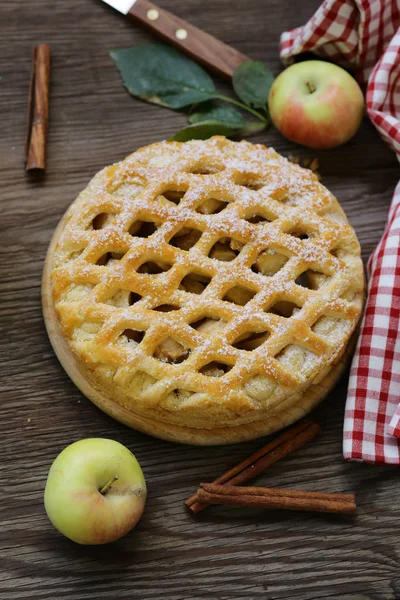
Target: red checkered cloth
[[365, 35]]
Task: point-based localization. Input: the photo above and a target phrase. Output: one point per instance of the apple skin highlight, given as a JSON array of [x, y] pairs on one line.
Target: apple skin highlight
[[316, 104], [73, 501]]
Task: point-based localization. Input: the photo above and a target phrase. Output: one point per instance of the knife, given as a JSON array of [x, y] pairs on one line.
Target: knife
[[203, 47]]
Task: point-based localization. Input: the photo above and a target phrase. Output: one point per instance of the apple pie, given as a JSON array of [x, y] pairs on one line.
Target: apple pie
[[204, 292]]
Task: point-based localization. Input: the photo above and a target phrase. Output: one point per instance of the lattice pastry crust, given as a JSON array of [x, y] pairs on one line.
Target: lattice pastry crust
[[206, 285]]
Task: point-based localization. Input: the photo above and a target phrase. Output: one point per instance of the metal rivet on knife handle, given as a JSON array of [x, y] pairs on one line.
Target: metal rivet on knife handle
[[181, 34], [152, 14]]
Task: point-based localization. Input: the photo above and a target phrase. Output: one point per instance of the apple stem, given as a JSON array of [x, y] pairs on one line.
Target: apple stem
[[107, 485], [310, 87]]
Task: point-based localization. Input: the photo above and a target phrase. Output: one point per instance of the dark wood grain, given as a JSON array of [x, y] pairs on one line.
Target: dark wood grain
[[200, 45], [225, 553]]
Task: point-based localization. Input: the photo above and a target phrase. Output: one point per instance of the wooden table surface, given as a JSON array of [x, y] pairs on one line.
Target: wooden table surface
[[223, 553]]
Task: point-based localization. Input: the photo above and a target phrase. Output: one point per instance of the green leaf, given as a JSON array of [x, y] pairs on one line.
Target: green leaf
[[203, 131], [162, 75], [252, 82], [209, 111], [253, 128]]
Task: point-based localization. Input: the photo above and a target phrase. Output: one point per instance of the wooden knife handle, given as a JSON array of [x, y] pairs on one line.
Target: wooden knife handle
[[198, 44]]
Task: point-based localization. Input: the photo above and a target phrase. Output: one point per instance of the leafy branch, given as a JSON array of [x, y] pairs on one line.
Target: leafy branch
[[162, 75], [243, 107]]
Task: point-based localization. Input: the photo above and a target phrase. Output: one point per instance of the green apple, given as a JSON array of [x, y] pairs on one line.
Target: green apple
[[316, 103], [95, 491]]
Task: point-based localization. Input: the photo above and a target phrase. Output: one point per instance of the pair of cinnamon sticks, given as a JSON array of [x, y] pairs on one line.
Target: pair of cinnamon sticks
[[227, 489]]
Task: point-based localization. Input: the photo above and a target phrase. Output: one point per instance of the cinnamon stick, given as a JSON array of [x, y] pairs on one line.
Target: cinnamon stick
[[278, 492], [281, 446], [275, 498], [38, 109]]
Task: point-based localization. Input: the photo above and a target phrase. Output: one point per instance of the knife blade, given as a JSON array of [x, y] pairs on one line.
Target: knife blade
[[199, 45]]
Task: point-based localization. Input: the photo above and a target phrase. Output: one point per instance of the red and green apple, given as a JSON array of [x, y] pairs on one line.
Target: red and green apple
[[316, 104]]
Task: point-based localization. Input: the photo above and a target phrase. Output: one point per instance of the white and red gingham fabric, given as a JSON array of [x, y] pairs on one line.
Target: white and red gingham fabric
[[365, 36]]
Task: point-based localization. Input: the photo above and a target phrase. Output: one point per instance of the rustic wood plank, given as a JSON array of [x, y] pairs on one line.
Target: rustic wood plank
[[224, 552]]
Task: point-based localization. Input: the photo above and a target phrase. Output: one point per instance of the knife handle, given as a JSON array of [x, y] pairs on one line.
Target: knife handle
[[198, 44]]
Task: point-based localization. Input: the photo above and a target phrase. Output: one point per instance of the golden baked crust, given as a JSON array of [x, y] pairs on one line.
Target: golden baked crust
[[206, 285]]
